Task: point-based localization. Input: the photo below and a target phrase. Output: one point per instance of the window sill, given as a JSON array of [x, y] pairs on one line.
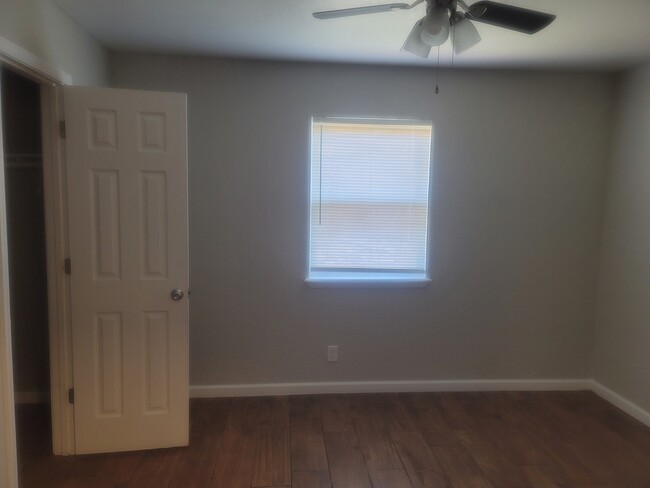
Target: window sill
[[340, 280]]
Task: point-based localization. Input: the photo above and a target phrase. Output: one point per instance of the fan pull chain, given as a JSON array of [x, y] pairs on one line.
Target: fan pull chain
[[438, 71]]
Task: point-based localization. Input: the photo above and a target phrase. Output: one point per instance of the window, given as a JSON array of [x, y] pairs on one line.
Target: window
[[369, 200]]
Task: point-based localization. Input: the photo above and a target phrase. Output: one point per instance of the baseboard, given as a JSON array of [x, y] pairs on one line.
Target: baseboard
[[272, 389], [31, 397], [315, 388], [624, 404]]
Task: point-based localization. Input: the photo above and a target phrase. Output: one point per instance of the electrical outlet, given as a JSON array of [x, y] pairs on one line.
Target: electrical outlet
[[332, 354]]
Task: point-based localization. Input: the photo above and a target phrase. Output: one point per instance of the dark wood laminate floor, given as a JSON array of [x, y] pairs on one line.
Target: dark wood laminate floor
[[419, 440]]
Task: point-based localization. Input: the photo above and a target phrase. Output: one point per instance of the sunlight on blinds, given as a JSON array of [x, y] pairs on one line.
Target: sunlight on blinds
[[369, 196]]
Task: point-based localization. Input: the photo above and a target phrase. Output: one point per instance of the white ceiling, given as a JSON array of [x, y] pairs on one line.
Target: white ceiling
[[588, 34]]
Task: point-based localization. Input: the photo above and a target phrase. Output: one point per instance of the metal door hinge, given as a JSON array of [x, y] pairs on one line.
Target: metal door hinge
[[62, 129], [67, 266], [71, 396]]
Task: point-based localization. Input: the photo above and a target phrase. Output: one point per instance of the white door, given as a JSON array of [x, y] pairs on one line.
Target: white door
[[126, 154]]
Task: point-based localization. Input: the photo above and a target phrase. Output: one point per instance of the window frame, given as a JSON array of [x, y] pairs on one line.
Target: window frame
[[353, 279]]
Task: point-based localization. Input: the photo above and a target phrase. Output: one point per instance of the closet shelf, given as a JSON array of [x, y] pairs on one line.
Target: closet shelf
[[23, 160]]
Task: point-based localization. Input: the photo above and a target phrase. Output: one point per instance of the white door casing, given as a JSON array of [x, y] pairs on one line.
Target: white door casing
[[127, 189], [8, 454]]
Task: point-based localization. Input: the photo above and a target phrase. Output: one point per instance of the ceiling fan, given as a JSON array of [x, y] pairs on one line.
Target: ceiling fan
[[444, 16]]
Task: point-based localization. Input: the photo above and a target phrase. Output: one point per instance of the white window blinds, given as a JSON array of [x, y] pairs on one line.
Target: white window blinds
[[369, 198]]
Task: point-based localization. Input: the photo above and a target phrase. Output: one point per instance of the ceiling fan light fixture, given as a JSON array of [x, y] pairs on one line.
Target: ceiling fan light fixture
[[414, 43], [465, 36], [442, 15], [435, 27]]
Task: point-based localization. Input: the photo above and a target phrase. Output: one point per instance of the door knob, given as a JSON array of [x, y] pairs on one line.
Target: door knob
[[177, 294]]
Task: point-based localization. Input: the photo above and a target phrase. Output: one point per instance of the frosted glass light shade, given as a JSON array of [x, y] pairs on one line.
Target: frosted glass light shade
[[435, 27], [465, 36], [414, 43]]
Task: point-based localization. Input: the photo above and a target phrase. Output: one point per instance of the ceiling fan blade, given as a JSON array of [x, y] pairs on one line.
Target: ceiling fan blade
[[509, 17], [465, 36], [414, 43], [349, 12]]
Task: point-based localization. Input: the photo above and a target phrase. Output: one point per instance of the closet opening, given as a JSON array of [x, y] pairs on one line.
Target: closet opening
[[23, 167]]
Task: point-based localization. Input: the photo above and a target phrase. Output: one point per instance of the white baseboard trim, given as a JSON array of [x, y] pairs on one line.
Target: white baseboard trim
[[273, 389], [624, 404], [31, 397]]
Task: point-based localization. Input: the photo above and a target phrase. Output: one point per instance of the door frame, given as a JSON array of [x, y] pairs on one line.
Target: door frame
[[58, 283], [9, 461]]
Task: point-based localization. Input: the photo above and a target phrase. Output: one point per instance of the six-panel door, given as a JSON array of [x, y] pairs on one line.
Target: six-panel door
[[126, 154]]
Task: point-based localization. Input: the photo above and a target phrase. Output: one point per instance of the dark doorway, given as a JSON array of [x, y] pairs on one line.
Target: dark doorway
[[21, 125]]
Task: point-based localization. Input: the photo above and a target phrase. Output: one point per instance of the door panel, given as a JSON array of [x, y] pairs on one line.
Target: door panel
[[127, 186]]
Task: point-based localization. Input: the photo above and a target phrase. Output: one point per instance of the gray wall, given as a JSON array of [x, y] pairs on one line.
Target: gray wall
[[622, 340], [518, 179], [46, 31]]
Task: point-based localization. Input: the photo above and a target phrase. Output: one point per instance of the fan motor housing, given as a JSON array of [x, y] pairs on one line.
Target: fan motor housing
[[448, 4]]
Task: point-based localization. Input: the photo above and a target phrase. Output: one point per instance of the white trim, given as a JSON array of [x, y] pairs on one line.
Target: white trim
[[58, 283], [315, 388], [372, 121], [624, 404], [31, 65], [31, 397], [383, 282], [8, 453], [272, 389]]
